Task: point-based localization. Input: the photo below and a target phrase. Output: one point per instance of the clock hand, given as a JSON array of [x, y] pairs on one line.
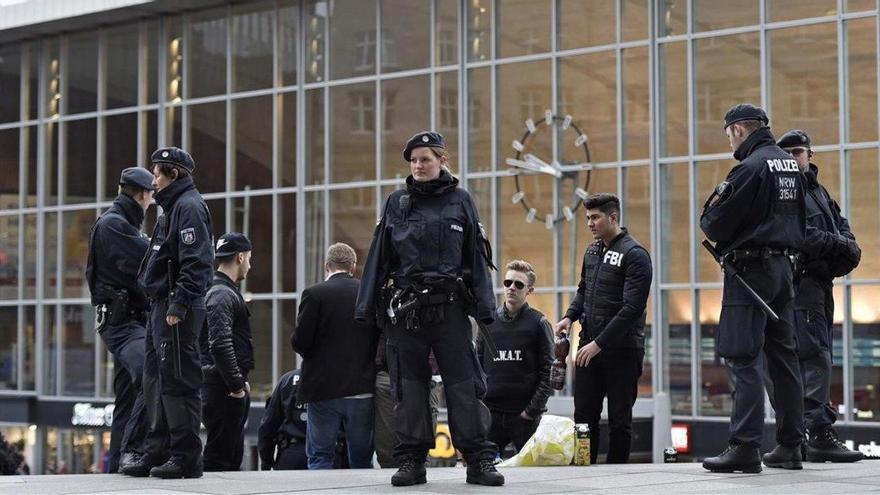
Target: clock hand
[[542, 166], [533, 167]]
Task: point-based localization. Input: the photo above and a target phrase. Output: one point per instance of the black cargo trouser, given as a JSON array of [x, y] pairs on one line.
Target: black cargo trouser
[[463, 381], [224, 419], [292, 457], [743, 332]]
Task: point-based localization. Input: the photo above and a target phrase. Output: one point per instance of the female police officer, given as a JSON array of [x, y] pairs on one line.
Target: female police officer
[[428, 268]]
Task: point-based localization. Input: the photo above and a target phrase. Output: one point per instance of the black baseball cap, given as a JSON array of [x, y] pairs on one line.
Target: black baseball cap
[[231, 243]]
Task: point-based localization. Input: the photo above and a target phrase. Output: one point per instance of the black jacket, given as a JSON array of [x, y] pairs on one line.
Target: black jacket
[[432, 230], [761, 203], [518, 377], [225, 339], [283, 421], [183, 236], [116, 248], [613, 293], [338, 352]]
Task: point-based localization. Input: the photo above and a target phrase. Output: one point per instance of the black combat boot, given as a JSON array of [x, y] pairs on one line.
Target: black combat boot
[[174, 469], [140, 468], [411, 472], [785, 457], [735, 458], [483, 472], [824, 446], [129, 458]]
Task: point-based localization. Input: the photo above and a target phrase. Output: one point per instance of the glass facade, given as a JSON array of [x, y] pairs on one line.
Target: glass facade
[[296, 112]]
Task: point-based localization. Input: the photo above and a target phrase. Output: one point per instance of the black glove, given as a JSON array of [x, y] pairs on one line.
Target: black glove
[[847, 255]]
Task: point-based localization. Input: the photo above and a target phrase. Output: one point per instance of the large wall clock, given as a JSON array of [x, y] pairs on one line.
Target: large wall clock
[[527, 162]]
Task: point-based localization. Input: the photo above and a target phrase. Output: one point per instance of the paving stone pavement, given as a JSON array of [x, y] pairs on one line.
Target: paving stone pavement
[[666, 479]]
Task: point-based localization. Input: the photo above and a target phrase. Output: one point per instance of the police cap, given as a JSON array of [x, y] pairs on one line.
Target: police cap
[[793, 139], [231, 243], [744, 111], [174, 156], [137, 177], [421, 139]]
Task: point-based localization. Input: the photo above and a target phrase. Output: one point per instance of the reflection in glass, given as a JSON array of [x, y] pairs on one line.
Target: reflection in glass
[[479, 19], [51, 61], [803, 80], [353, 218], [586, 23], [174, 59], [674, 230], [352, 132], [446, 27], [677, 317], [10, 81], [671, 17], [288, 40], [479, 108], [673, 99], [206, 51], [252, 216], [78, 356], [174, 126], [861, 74], [728, 71], [81, 73], [287, 242], [252, 152], [523, 27], [253, 29], [315, 236], [866, 353], [121, 66], [10, 258], [636, 104], [316, 39], [715, 397], [352, 38], [207, 145], [588, 92], [708, 176], [314, 140], [406, 34], [636, 204], [9, 348], [9, 186], [786, 10], [710, 15], [120, 149], [406, 110], [81, 161], [75, 252], [260, 377], [864, 204]]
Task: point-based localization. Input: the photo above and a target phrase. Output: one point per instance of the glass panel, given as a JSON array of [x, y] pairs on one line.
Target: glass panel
[[479, 19], [837, 354], [287, 242], [253, 29], [206, 49], [446, 84], [525, 94], [151, 120], [174, 127], [636, 205], [864, 180], [708, 175], [252, 160], [673, 99], [636, 104], [479, 108], [287, 319], [30, 166], [856, 5], [586, 23], [78, 358], [10, 81], [53, 86], [217, 209], [207, 137], [710, 15], [260, 377], [108, 370], [828, 163], [786, 10], [446, 44], [353, 132], [803, 81], [50, 351], [575, 236], [288, 40], [315, 237], [674, 233], [315, 137], [352, 38], [50, 176], [406, 34], [120, 149], [31, 56], [646, 381], [9, 186], [517, 238], [728, 71], [588, 92], [634, 24], [30, 345], [523, 27], [152, 62], [29, 256], [316, 35], [176, 66], [353, 219], [671, 17], [50, 262], [81, 67], [406, 110], [677, 326], [76, 228], [481, 193], [866, 353], [287, 139], [715, 397], [81, 161], [252, 215], [121, 68], [10, 258], [861, 62], [9, 346]]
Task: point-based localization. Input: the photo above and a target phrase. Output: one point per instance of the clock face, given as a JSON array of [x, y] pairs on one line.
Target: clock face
[[531, 159]]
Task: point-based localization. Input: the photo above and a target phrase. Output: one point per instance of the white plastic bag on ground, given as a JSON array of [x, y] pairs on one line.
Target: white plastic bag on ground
[[551, 445]]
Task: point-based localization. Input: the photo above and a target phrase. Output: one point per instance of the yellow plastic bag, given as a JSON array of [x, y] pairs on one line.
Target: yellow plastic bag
[[551, 445]]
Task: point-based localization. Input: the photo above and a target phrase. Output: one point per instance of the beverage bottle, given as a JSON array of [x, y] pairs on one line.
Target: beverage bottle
[[559, 368]]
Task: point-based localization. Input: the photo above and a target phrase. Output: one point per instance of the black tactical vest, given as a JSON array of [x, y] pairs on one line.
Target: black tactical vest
[[513, 372]]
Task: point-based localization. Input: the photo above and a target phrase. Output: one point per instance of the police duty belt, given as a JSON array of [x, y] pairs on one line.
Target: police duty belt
[[731, 269]]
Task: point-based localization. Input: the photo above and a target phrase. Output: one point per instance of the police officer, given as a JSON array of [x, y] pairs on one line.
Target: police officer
[[227, 356], [756, 216], [610, 304], [116, 247], [429, 244], [176, 274], [283, 428], [829, 250]]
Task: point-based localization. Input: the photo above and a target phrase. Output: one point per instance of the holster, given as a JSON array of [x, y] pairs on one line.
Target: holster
[[118, 311]]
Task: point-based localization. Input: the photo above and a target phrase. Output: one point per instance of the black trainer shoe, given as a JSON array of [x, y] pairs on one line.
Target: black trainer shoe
[[411, 472], [139, 468], [174, 470], [735, 458], [483, 472], [825, 446], [785, 457]]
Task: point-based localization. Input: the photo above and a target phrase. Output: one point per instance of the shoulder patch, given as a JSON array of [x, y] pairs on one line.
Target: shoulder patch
[[188, 236]]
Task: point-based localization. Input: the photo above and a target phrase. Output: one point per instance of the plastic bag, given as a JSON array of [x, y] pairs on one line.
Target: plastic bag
[[551, 445]]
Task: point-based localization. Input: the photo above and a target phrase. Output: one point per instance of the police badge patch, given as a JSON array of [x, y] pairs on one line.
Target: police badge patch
[[188, 236]]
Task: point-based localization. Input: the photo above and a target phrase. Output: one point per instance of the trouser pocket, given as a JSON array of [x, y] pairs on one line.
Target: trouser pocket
[[813, 334], [740, 331]]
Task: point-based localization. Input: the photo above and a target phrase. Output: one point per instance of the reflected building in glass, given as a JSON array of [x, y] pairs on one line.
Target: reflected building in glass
[[296, 112]]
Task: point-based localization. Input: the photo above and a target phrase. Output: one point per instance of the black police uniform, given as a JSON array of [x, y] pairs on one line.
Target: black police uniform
[[757, 218], [282, 434], [227, 357], [428, 238], [610, 305], [517, 367], [116, 247], [182, 243]]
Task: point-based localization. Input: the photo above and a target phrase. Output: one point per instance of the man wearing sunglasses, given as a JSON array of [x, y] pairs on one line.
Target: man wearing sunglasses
[[829, 251], [610, 306], [518, 368]]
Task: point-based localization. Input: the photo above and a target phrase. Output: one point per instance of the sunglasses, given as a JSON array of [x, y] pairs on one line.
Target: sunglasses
[[516, 283]]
